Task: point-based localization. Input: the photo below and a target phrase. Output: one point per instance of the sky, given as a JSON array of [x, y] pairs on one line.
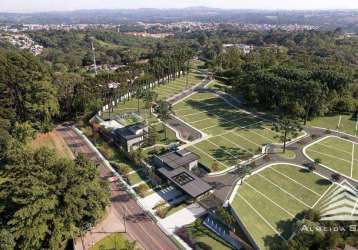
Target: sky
[[65, 5]]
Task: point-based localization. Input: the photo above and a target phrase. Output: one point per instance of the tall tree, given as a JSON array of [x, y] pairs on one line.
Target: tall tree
[[164, 110], [26, 91], [150, 97], [46, 200], [286, 128]]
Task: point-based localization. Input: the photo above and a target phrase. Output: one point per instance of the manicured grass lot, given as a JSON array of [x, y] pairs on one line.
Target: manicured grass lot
[[200, 233], [235, 134], [178, 85], [274, 195], [135, 178], [113, 241], [336, 154], [343, 123]]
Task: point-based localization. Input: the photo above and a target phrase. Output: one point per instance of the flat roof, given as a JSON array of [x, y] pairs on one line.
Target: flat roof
[[129, 132], [186, 181], [178, 159]]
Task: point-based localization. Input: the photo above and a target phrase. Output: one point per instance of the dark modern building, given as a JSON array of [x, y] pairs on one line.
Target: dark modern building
[[176, 166], [130, 137]]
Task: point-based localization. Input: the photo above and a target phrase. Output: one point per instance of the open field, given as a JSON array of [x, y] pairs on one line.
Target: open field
[[235, 135], [269, 201], [342, 123], [337, 154], [113, 241], [167, 90], [219, 86], [199, 233], [53, 141]]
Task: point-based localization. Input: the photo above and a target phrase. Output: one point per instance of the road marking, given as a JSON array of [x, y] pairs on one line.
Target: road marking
[[263, 218], [257, 191], [296, 182], [294, 197]]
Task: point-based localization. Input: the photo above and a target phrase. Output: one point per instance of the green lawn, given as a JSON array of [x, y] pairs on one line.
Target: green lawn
[[171, 136], [219, 86], [342, 123], [235, 135], [200, 233], [336, 154], [289, 154], [171, 88], [135, 178], [269, 199], [113, 241]]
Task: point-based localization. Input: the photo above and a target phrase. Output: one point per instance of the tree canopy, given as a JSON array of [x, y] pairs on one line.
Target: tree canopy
[[46, 200]]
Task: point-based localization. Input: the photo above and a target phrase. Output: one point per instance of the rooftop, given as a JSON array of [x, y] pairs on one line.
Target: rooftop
[[131, 131], [178, 159], [185, 180]]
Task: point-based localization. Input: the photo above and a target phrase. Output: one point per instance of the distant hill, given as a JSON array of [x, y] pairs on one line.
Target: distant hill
[[333, 18]]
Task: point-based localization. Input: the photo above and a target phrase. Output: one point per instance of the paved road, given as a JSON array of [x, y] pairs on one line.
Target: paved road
[[139, 226]]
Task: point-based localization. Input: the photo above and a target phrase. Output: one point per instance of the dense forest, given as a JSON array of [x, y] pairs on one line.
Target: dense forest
[[301, 75]]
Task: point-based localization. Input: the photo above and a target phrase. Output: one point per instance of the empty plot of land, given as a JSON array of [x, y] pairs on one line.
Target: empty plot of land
[[53, 141], [342, 123], [269, 201], [235, 134], [178, 85], [337, 154]]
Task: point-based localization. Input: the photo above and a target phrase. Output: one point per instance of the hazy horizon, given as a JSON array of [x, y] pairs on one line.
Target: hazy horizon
[[25, 6]]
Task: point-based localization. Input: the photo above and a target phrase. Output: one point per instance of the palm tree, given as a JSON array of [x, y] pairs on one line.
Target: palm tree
[[164, 110], [150, 97], [139, 94]]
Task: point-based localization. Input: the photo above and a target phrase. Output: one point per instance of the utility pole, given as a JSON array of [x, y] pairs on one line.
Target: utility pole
[[94, 55]]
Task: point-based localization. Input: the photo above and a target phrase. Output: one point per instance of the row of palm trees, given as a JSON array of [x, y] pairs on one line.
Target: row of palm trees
[[135, 79]]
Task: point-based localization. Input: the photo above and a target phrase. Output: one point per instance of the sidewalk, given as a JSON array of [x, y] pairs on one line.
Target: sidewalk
[[111, 224]]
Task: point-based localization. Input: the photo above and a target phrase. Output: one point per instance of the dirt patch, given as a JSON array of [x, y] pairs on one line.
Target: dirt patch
[[53, 141]]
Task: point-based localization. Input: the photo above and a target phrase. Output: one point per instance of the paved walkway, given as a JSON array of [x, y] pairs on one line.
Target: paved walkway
[[183, 217], [111, 224]]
